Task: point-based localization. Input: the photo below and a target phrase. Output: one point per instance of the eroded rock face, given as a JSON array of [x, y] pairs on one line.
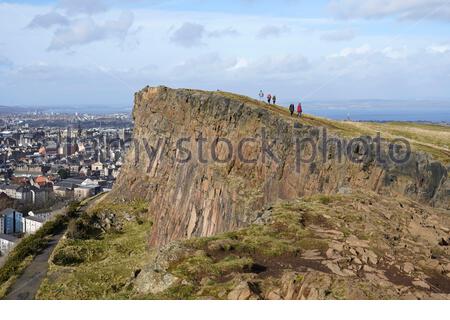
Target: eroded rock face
[[195, 199]]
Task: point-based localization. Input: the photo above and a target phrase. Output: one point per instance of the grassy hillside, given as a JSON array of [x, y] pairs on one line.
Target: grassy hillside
[[100, 266], [362, 245], [430, 138]]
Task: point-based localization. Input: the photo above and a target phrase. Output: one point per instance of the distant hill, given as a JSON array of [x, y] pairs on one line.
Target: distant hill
[[12, 109]]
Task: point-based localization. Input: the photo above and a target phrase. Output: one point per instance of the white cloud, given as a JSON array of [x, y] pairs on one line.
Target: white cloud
[[205, 67], [403, 9], [365, 49], [395, 53], [226, 32], [272, 31], [241, 63], [86, 30], [338, 35], [189, 35], [271, 65], [89, 7], [48, 20], [442, 48], [5, 63], [287, 63]]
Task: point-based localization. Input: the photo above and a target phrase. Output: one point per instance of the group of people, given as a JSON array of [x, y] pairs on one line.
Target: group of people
[[299, 109], [273, 99], [270, 98]]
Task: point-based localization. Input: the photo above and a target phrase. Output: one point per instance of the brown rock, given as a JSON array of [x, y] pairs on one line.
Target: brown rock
[[274, 295], [408, 267], [421, 284], [241, 292], [355, 242]]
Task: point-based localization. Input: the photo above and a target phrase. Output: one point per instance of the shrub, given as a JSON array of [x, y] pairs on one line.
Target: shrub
[[84, 227], [69, 256], [72, 210]]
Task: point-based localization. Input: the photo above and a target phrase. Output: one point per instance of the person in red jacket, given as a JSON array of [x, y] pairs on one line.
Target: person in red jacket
[[299, 110]]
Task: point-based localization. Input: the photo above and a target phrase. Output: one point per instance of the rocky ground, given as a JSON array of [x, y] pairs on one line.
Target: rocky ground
[[353, 246]]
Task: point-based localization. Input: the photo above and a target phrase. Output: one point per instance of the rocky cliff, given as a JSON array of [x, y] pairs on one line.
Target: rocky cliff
[[191, 195]]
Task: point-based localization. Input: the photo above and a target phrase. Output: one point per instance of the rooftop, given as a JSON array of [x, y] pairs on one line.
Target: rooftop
[[8, 238]]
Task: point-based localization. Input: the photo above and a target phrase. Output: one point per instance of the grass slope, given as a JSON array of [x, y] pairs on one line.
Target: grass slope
[[429, 138], [106, 267], [102, 267]]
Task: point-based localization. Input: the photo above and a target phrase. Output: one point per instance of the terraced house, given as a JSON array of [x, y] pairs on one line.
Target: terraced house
[[25, 194]]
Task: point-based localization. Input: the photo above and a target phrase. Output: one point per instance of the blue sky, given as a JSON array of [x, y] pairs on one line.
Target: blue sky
[[87, 52]]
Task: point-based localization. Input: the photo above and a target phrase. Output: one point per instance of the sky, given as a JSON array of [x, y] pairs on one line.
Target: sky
[[98, 52]]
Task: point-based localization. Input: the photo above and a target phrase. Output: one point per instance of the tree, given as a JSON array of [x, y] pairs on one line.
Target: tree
[[64, 173]]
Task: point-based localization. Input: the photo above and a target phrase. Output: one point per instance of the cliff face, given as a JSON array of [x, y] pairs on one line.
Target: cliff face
[[195, 198]]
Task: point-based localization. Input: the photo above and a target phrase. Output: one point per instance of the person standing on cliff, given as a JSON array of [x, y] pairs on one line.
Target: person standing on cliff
[[299, 110], [269, 98], [292, 109], [261, 95], [274, 99]]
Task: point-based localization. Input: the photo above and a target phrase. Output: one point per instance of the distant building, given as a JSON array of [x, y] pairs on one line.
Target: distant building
[[86, 189], [74, 169], [98, 166], [31, 224], [12, 221], [41, 181], [81, 193], [85, 171], [65, 188], [25, 194], [7, 242], [2, 225], [45, 216]]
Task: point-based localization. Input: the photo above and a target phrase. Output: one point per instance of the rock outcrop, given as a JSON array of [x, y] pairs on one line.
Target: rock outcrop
[[202, 197], [354, 246]]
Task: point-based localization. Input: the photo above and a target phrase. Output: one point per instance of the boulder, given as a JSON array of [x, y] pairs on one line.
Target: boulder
[[241, 292]]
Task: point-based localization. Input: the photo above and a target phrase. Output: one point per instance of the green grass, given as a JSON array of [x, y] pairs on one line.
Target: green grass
[[97, 268], [199, 265], [136, 208]]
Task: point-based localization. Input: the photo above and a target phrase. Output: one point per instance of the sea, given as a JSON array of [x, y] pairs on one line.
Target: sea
[[381, 110]]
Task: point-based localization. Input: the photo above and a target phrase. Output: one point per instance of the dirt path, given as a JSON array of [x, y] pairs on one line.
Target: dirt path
[[27, 285]]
